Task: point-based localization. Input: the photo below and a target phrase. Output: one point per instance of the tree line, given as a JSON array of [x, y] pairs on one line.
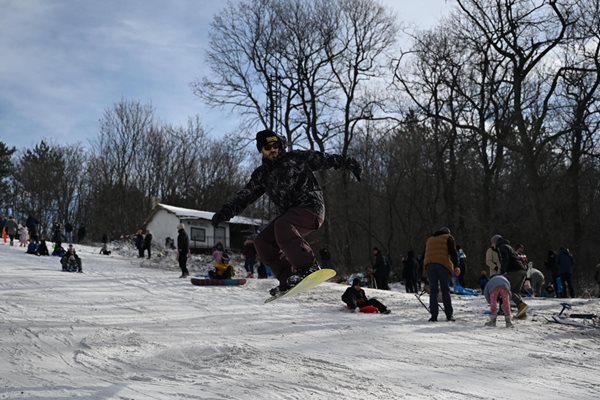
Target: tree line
[[486, 123]]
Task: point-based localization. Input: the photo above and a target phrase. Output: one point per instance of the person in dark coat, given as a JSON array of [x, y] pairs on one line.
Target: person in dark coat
[[325, 258], [409, 272], [31, 223], [381, 270], [183, 250], [80, 234], [511, 266], [70, 261], [249, 252], [42, 249], [139, 243], [57, 236], [147, 243], [565, 263], [551, 267], [289, 181], [355, 298]]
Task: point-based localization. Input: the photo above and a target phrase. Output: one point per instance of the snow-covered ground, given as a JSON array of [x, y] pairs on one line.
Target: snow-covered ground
[[123, 331]]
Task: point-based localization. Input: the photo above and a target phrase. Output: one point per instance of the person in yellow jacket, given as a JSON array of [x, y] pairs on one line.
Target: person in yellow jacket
[[439, 261], [223, 269]]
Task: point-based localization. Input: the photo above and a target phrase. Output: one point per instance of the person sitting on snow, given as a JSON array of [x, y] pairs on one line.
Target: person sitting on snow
[[58, 251], [223, 269], [32, 248], [42, 249], [70, 261], [355, 298], [104, 250], [549, 291]]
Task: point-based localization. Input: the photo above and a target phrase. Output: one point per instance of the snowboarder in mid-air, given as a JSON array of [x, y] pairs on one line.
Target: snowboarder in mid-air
[[288, 179]]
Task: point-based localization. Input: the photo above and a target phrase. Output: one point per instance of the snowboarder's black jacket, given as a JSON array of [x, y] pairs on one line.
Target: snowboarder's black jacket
[[288, 181]]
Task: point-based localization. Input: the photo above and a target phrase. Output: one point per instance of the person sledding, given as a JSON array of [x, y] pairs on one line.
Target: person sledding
[[223, 268], [70, 261], [289, 181], [356, 300]]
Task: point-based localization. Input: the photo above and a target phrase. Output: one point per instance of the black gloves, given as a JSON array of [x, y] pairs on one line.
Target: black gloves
[[353, 165], [217, 219]]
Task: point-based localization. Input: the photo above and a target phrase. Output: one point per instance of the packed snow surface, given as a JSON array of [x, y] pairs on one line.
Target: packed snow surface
[[131, 329]]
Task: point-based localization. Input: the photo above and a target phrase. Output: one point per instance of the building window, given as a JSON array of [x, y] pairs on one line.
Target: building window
[[198, 234]]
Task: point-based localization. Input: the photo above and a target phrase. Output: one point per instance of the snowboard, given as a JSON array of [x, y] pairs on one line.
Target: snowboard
[[311, 281], [204, 281]]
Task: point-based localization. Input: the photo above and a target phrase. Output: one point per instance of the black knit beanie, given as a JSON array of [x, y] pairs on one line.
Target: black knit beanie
[[266, 137]]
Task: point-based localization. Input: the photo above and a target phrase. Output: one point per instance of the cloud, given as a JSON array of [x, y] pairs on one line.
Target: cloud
[[64, 62]]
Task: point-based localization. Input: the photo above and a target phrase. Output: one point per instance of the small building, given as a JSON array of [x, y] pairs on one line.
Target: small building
[[163, 221]]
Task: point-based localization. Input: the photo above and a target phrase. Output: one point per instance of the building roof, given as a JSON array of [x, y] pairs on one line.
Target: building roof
[[188, 213]]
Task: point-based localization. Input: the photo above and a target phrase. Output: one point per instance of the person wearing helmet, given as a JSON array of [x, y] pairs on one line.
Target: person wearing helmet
[[288, 179]]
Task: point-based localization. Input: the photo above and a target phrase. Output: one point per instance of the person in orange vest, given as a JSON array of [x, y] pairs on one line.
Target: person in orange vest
[[439, 260]]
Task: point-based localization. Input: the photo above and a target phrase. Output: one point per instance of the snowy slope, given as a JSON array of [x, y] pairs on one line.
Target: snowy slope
[[120, 331]]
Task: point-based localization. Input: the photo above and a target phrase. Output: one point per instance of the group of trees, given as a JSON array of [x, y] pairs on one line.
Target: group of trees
[[110, 187], [486, 123]]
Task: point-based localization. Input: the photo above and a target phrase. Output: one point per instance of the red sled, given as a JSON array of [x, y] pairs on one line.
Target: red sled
[[369, 309]]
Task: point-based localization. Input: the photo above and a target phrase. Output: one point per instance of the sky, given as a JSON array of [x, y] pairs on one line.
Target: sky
[[129, 328], [64, 62]]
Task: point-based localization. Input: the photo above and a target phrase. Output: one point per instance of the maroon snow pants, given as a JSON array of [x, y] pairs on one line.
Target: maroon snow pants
[[281, 245]]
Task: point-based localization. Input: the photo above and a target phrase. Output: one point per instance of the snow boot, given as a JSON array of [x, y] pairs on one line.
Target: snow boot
[[491, 322], [509, 323], [522, 311], [302, 273]]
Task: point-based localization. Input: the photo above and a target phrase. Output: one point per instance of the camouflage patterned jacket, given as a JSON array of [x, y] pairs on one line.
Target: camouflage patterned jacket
[[288, 181]]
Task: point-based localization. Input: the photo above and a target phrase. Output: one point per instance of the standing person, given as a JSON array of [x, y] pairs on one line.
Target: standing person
[[80, 234], [492, 260], [147, 243], [515, 271], [23, 236], [288, 179], [249, 252], [12, 228], [411, 266], [381, 270], [498, 288], [31, 223], [139, 243], [552, 267], [183, 250], [69, 232], [325, 258], [439, 261], [355, 297], [57, 236], [462, 265], [565, 263]]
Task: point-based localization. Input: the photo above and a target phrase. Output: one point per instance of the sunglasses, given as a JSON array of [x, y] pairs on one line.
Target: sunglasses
[[268, 147]]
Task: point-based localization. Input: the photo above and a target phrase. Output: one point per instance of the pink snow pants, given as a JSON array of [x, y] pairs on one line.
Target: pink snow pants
[[500, 293]]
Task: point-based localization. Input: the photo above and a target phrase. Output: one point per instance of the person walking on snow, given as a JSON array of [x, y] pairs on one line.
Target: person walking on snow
[[288, 179], [439, 261]]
